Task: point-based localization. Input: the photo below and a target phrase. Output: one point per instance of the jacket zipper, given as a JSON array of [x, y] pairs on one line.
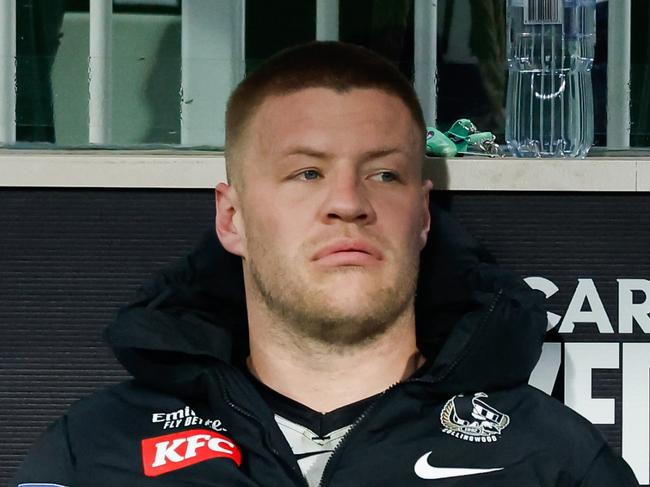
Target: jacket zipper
[[361, 419], [326, 472], [325, 477], [263, 427]]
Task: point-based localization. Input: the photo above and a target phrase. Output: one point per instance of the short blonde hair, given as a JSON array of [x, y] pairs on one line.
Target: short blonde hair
[[336, 65]]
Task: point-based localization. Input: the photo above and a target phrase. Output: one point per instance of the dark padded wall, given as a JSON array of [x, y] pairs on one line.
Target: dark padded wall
[[69, 258]]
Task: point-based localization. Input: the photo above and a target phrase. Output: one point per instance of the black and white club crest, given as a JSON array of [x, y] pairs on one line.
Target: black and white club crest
[[470, 418]]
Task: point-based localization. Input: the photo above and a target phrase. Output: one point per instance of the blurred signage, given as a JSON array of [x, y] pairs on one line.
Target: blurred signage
[[601, 354]]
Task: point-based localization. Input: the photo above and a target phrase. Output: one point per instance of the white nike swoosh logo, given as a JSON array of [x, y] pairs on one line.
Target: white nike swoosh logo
[[428, 472]]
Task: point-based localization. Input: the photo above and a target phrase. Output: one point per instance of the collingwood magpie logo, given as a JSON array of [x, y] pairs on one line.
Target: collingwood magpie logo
[[472, 419]]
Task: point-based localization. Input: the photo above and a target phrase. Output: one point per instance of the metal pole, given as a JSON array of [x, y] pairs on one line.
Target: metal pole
[[7, 71], [425, 51], [618, 73], [99, 72], [327, 20], [213, 62]]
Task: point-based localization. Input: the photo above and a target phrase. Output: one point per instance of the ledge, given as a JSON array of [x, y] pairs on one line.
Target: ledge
[[199, 169], [510, 174], [111, 169]]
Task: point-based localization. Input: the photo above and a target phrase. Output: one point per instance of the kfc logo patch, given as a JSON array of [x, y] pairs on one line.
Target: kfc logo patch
[[164, 454]]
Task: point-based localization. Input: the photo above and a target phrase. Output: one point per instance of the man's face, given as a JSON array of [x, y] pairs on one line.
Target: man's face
[[334, 212]]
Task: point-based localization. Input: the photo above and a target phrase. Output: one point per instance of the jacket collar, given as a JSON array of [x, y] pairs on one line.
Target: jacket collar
[[479, 325]]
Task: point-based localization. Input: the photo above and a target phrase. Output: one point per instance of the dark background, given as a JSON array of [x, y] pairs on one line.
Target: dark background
[[70, 257]]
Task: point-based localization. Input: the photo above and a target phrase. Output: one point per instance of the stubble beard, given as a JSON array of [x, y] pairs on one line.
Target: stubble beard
[[307, 312]]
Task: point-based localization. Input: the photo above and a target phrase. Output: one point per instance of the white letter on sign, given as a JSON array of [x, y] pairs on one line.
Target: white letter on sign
[[586, 289], [193, 443], [580, 360], [636, 425], [545, 372], [215, 445], [628, 311], [549, 288], [164, 452]]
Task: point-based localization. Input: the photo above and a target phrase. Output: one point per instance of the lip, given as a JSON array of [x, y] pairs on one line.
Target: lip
[[348, 252]]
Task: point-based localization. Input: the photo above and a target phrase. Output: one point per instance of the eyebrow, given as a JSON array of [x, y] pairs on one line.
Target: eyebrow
[[318, 154]]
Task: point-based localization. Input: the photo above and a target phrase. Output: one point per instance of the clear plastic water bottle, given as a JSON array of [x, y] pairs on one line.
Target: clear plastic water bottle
[[549, 105]]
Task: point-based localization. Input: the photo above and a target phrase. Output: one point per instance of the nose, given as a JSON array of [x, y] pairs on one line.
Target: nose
[[348, 201]]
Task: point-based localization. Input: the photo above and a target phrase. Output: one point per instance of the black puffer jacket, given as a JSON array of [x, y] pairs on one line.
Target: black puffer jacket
[[191, 417]]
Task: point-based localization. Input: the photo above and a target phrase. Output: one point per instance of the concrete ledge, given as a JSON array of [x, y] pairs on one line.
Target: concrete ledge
[[484, 174], [199, 169], [109, 169]]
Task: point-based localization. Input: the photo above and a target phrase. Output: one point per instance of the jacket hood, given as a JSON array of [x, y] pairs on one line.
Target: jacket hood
[[480, 326]]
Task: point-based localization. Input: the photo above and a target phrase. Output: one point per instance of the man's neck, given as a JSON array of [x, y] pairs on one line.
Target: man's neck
[[324, 377]]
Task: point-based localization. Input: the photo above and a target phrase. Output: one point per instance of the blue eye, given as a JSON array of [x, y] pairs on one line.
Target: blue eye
[[309, 175], [386, 176]]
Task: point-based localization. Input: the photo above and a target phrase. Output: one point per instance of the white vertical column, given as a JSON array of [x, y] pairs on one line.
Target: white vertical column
[[618, 73], [425, 54], [7, 71], [635, 426], [99, 72], [213, 62], [327, 20]]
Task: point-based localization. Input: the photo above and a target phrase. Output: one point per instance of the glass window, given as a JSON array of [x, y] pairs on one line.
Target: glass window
[[640, 75], [172, 64], [53, 78]]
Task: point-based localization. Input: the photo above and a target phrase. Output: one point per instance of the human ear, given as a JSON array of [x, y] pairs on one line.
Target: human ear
[[427, 186], [228, 222]]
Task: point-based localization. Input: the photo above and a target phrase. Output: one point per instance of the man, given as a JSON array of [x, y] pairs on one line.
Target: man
[[327, 372]]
